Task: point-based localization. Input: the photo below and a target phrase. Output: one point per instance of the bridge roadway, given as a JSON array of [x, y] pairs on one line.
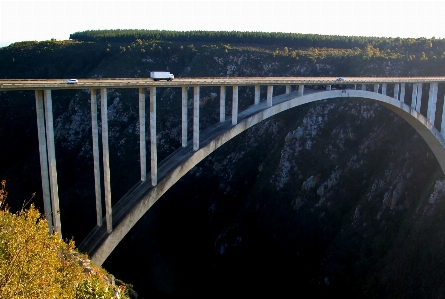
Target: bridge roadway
[[41, 84]]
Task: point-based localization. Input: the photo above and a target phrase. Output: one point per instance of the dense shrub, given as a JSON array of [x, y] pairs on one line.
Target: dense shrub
[[37, 264]]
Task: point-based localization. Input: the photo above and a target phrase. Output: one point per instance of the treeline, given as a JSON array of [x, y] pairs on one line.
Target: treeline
[[295, 40]]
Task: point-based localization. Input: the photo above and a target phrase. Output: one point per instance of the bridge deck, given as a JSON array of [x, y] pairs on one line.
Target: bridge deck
[[88, 83]]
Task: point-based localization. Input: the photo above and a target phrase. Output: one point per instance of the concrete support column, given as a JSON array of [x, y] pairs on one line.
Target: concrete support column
[[396, 91], [142, 145], [384, 89], [328, 87], [300, 90], [355, 86], [288, 88], [432, 101], [54, 189], [269, 95], [364, 87], [96, 161], [442, 126], [402, 92], [419, 97], [414, 96], [257, 94], [106, 158], [153, 138], [222, 104], [43, 158], [184, 116], [376, 87], [235, 105], [195, 118]]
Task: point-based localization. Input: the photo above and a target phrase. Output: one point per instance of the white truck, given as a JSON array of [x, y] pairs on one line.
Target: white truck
[[156, 76]]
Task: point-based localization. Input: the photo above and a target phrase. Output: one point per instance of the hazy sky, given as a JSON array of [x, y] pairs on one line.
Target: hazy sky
[[22, 20]]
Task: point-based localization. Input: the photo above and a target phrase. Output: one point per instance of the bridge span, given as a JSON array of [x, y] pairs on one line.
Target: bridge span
[[134, 204]]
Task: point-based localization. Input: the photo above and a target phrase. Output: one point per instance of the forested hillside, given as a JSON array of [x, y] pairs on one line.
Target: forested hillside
[[335, 198]]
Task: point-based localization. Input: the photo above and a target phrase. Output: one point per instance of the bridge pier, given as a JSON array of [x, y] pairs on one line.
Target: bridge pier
[[95, 136], [44, 158], [142, 145], [52, 161], [376, 88], [396, 91], [442, 126], [414, 96], [402, 93], [419, 97], [432, 101], [269, 95], [364, 87], [288, 89], [257, 94], [153, 138], [222, 104], [106, 158], [184, 116], [300, 90], [195, 118], [384, 89], [235, 105]]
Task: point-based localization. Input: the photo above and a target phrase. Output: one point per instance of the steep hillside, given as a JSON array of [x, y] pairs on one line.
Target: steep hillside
[[339, 197]]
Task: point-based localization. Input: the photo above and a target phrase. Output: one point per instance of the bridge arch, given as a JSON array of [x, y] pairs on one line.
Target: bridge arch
[[126, 213]]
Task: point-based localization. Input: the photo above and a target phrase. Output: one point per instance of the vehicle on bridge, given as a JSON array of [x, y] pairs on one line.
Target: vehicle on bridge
[[156, 76], [72, 81]]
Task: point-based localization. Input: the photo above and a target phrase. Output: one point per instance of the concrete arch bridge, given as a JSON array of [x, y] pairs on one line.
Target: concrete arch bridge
[[120, 218]]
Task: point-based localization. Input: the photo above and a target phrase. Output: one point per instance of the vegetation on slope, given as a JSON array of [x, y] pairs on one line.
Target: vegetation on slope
[[36, 264]]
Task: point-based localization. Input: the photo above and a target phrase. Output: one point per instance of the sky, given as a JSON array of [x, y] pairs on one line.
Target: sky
[[38, 20]]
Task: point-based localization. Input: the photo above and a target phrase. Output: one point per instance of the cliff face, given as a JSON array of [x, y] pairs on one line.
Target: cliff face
[[339, 197]]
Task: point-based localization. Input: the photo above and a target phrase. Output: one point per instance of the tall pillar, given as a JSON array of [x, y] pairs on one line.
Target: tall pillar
[[419, 97], [402, 92], [106, 158], [95, 135], [54, 189], [195, 118], [364, 87], [222, 104], [300, 90], [43, 158], [442, 126], [184, 116], [269, 95], [142, 145], [432, 101], [257, 94], [153, 138], [328, 87], [384, 89], [288, 89], [235, 105], [414, 96], [376, 87], [396, 91]]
